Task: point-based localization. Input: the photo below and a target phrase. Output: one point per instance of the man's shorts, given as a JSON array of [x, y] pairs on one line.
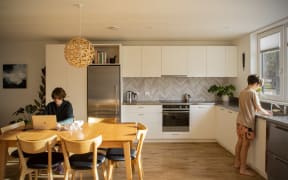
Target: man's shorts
[[245, 132]]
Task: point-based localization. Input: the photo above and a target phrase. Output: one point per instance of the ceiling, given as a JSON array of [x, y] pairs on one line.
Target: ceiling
[[137, 19]]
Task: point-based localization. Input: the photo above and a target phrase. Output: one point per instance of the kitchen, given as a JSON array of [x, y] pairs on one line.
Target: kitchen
[[160, 68]]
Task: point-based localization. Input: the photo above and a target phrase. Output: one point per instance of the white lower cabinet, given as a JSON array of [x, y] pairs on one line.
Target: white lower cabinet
[[202, 122], [226, 128], [226, 136], [257, 151], [149, 115]]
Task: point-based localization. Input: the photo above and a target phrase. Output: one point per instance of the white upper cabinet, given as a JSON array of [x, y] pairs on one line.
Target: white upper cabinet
[[174, 60], [142, 61], [196, 61], [191, 61], [215, 61], [231, 61], [132, 59], [151, 61]]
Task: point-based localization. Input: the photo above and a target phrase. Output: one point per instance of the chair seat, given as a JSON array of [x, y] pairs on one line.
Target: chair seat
[[40, 161], [84, 161], [15, 154], [117, 154]]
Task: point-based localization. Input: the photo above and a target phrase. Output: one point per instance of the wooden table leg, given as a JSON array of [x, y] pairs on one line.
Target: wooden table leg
[[3, 159], [128, 160]]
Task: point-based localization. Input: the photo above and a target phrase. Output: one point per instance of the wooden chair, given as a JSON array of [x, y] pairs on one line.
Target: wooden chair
[[117, 154], [42, 158], [15, 126], [82, 156]]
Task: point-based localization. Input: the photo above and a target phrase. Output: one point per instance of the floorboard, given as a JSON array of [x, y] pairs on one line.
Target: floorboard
[[173, 161]]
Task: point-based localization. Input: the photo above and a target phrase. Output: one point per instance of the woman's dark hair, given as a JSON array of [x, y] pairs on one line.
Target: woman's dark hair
[[253, 78], [58, 93]]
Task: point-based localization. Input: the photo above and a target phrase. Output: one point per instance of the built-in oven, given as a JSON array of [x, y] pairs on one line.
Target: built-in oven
[[175, 118]]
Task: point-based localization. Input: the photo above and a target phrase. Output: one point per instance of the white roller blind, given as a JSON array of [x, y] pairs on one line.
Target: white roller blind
[[270, 42]]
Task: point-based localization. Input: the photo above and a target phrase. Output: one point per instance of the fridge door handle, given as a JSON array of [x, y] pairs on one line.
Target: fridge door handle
[[116, 98]]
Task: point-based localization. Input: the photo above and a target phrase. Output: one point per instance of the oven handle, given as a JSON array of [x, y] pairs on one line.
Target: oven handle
[[165, 112]]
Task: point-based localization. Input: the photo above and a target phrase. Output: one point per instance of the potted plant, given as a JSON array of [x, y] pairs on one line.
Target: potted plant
[[222, 91], [25, 113]]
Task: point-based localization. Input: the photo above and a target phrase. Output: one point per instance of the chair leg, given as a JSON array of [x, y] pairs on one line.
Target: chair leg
[[104, 170], [36, 174], [110, 169], [66, 175], [73, 175], [140, 169], [22, 175], [50, 174], [95, 173]]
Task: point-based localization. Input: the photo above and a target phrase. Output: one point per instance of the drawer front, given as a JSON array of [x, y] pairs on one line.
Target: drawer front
[[278, 141], [276, 168], [142, 108]]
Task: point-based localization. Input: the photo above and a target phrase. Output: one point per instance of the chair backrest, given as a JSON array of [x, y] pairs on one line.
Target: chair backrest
[[80, 147], [36, 146], [14, 126], [141, 134]]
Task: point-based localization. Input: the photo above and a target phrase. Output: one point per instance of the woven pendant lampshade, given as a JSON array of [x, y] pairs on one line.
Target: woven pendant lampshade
[[79, 52]]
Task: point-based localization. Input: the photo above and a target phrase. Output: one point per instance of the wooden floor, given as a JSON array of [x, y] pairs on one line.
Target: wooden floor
[[173, 161]]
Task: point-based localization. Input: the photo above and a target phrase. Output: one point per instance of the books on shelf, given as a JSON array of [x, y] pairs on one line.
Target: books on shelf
[[101, 57]]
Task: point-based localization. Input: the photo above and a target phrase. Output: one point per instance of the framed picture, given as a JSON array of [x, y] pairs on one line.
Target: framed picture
[[14, 76]]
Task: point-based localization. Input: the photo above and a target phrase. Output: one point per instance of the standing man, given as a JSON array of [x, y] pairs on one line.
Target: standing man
[[60, 107], [249, 104]]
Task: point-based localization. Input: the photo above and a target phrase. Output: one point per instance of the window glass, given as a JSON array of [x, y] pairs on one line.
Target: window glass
[[270, 62]]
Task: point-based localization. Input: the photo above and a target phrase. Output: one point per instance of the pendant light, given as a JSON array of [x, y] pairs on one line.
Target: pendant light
[[79, 52]]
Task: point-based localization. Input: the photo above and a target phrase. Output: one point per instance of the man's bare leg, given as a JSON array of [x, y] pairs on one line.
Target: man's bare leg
[[243, 157], [237, 152]]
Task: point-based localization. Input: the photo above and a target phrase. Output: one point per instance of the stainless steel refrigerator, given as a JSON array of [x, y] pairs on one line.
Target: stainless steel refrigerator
[[103, 91]]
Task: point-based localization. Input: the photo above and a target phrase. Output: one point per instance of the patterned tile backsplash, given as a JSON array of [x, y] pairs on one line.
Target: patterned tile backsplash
[[171, 88]]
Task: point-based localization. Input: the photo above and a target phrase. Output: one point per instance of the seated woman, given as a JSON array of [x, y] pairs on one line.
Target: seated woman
[[60, 107]]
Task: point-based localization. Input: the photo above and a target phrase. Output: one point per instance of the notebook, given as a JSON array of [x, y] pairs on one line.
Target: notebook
[[44, 121]]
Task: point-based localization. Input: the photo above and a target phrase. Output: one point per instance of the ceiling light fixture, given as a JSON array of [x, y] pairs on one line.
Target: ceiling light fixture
[[79, 52]]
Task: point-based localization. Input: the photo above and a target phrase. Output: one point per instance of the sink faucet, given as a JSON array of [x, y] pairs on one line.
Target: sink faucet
[[284, 110]]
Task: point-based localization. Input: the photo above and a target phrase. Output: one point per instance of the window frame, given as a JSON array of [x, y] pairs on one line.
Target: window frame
[[282, 60]]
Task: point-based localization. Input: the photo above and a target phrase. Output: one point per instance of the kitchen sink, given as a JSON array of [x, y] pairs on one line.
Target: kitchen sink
[[279, 114]]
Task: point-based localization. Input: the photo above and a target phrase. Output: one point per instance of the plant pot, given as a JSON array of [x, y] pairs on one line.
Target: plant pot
[[225, 98]]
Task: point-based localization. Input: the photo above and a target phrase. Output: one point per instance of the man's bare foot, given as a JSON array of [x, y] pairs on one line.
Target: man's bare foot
[[247, 172]]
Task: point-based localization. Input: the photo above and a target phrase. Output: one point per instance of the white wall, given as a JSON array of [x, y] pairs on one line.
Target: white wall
[[248, 45], [30, 53]]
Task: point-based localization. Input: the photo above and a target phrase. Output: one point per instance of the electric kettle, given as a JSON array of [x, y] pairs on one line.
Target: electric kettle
[[131, 97]]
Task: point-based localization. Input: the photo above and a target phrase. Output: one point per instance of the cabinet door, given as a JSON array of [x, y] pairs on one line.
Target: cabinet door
[[226, 128], [149, 115], [151, 61], [174, 60], [215, 61], [231, 61], [202, 123], [73, 80], [196, 61], [132, 57]]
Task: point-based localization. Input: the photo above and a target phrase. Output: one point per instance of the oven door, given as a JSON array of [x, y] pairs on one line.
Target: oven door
[[175, 121]]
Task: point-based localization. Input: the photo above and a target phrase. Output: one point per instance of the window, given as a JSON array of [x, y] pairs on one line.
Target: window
[[272, 63]]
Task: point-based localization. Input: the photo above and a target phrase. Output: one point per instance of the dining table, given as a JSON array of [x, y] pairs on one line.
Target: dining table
[[114, 135]]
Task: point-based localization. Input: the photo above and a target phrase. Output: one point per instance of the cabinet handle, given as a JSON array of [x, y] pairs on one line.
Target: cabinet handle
[[279, 127], [140, 114], [230, 112], [140, 107], [281, 160]]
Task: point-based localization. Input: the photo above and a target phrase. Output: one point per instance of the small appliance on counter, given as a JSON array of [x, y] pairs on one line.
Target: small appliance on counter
[[131, 97]]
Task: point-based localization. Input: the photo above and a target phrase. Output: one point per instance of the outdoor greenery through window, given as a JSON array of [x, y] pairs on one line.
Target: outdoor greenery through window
[[270, 64], [273, 63]]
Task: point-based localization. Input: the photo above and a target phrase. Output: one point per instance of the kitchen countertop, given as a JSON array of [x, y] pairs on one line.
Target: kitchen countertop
[[281, 120], [161, 103]]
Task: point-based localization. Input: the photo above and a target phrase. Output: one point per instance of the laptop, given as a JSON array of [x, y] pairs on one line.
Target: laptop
[[44, 121]]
